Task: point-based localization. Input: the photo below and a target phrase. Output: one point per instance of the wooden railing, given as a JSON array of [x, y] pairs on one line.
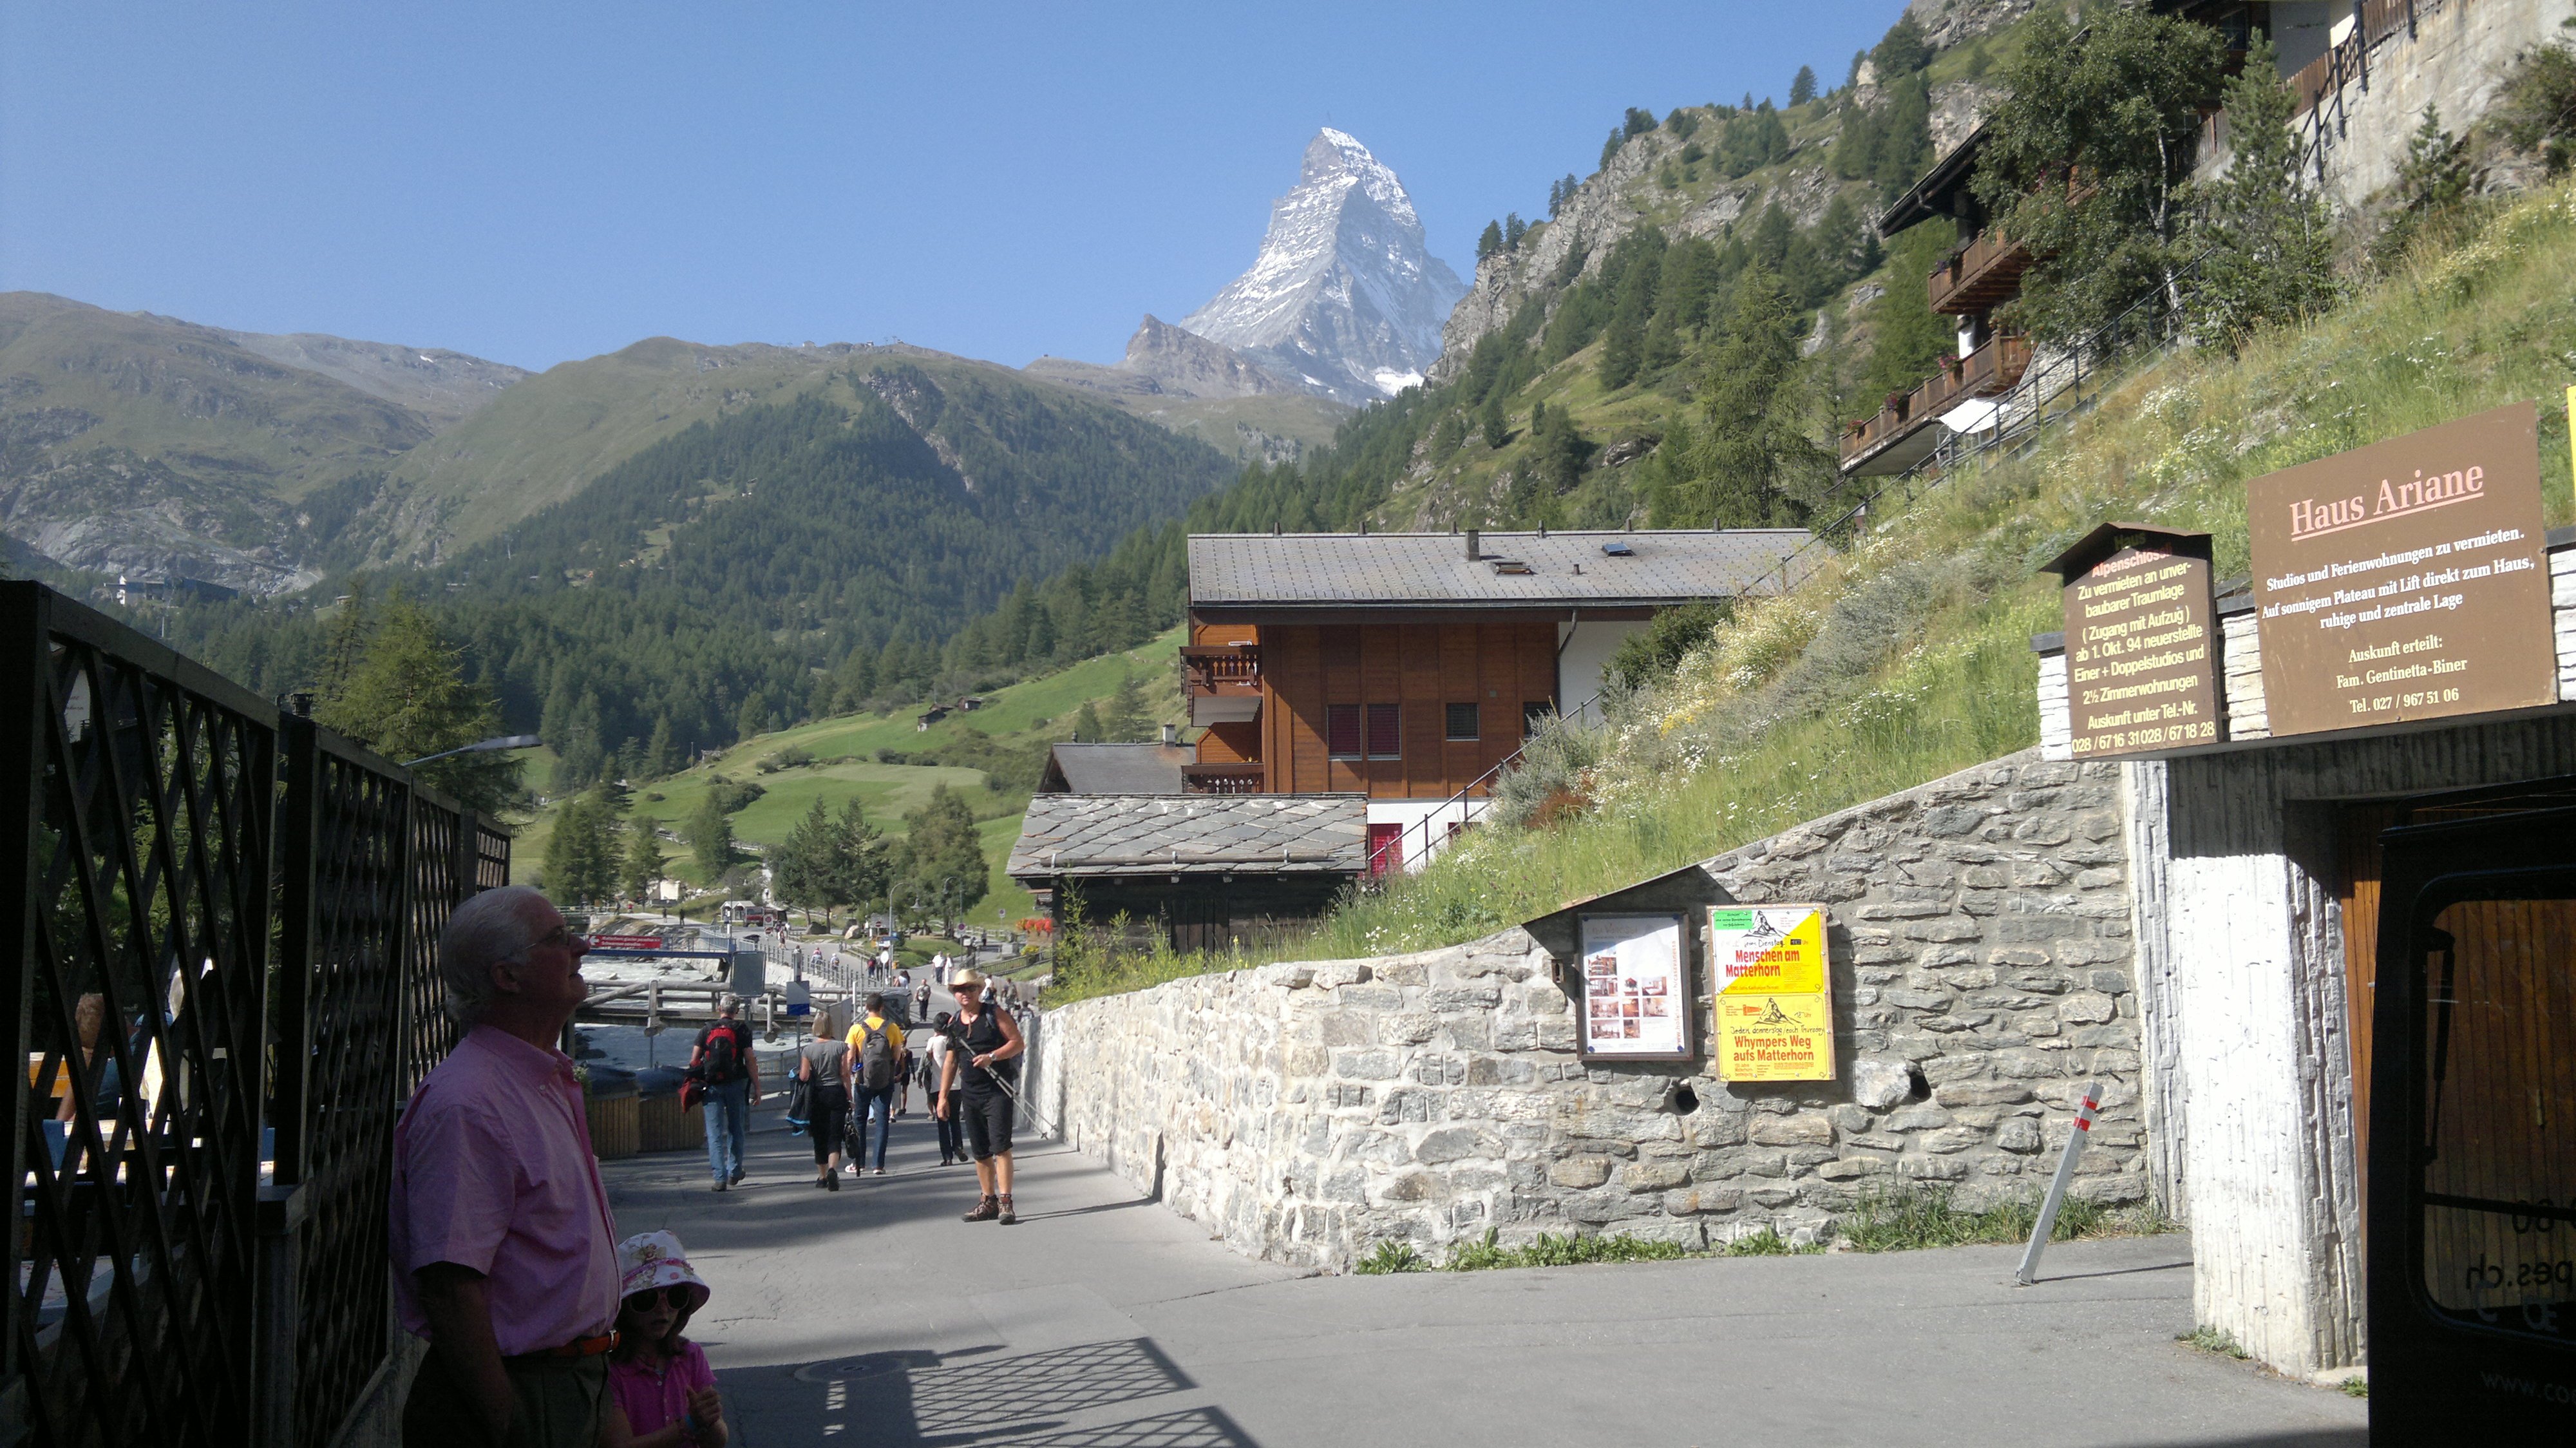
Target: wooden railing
[[1991, 369], [1976, 276], [1222, 669], [2379, 19], [1246, 778]]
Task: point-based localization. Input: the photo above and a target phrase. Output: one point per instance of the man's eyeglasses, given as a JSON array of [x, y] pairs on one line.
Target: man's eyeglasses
[[680, 1295]]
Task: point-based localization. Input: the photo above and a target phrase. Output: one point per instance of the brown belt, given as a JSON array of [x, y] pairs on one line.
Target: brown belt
[[580, 1347]]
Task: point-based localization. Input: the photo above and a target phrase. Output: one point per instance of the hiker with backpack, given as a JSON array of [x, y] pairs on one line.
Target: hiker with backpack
[[977, 1083], [874, 1064], [724, 1065]]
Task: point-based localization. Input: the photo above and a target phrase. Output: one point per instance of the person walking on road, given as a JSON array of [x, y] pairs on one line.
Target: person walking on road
[[874, 1065], [978, 1081], [726, 1066], [934, 1067], [821, 1065], [504, 1250]]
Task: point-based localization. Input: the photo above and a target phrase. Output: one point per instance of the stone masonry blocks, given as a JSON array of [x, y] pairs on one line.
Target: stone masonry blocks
[[1983, 972]]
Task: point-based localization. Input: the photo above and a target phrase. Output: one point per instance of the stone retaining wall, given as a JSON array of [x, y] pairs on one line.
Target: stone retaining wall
[[1980, 940]]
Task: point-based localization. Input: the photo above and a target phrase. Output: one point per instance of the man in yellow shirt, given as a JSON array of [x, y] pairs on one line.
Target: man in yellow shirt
[[874, 1068]]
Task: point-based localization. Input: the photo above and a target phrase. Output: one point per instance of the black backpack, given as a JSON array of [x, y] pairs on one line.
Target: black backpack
[[722, 1060]]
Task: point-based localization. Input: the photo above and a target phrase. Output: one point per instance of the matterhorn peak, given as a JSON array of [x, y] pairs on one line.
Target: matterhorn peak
[[1343, 299]]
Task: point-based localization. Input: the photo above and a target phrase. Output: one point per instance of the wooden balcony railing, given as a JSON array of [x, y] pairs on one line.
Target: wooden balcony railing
[[1246, 778], [1978, 275], [1224, 669], [1991, 369]]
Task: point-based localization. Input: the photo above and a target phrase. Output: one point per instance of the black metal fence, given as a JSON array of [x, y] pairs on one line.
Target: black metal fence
[[223, 989]]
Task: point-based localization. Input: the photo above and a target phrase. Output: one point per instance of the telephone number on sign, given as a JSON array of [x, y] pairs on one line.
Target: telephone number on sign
[[2416, 700], [2199, 732]]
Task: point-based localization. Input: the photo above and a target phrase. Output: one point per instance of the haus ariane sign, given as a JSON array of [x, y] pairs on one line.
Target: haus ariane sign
[[2405, 580]]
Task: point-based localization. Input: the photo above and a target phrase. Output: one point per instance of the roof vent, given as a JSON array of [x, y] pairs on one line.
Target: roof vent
[[1617, 549], [1473, 551], [1510, 565]]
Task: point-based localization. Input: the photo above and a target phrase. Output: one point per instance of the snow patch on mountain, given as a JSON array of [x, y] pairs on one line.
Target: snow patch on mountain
[[1343, 295]]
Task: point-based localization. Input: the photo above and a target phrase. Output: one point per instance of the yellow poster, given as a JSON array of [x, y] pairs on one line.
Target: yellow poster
[[1774, 993]]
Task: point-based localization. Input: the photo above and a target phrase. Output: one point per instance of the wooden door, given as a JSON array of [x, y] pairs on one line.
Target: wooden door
[[2357, 849]]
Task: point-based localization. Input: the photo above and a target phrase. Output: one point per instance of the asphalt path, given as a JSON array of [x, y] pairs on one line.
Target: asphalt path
[[874, 1315]]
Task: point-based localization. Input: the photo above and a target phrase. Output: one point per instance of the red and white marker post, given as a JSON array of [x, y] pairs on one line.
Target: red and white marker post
[[2057, 1189]]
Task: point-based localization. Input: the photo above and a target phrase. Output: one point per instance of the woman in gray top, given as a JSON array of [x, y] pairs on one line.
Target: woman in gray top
[[827, 1097]]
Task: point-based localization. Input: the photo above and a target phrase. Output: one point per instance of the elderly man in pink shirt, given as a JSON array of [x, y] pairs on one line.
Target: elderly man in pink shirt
[[504, 1253]]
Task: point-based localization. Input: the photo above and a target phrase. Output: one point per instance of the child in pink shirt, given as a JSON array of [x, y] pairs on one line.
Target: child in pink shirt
[[661, 1393]]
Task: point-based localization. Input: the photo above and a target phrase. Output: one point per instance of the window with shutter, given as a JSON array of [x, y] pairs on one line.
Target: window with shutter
[[1342, 730], [1385, 731]]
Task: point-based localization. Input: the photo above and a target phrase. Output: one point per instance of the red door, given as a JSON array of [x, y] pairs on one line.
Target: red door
[[1385, 849]]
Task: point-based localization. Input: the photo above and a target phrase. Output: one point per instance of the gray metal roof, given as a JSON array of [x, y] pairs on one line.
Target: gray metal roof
[[1432, 570], [1202, 834], [1120, 768]]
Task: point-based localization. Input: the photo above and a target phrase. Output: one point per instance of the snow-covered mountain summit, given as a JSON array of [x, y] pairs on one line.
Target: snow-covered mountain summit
[[1343, 298]]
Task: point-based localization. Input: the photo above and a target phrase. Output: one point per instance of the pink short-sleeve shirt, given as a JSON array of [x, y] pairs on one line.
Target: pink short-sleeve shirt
[[493, 1172], [656, 1397]]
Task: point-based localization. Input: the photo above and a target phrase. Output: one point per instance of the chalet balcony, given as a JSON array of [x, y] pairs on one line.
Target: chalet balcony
[[1222, 682], [1902, 434], [1980, 274], [1248, 778]]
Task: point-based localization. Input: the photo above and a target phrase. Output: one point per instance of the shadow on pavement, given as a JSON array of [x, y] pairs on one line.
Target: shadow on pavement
[[970, 1399], [2308, 1438]]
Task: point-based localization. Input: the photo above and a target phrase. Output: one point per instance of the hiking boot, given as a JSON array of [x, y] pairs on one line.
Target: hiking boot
[[985, 1210], [1008, 1217]]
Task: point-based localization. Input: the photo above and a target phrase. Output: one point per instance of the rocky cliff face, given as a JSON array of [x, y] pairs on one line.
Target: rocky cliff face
[[1186, 364], [1343, 300]]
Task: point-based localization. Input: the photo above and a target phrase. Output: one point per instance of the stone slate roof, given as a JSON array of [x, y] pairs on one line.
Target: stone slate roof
[[1116, 769], [1191, 834], [1432, 570]]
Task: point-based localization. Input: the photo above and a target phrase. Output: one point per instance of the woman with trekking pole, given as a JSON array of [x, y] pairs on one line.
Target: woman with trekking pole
[[978, 1081]]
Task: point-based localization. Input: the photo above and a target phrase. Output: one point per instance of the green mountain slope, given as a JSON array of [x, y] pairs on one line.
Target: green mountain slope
[[135, 443], [763, 566], [1017, 721]]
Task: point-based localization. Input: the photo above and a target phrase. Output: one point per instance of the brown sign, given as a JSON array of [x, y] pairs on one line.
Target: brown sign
[[2141, 673], [2405, 580]]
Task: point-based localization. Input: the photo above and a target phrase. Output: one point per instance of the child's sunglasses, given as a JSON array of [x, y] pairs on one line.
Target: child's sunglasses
[[680, 1295]]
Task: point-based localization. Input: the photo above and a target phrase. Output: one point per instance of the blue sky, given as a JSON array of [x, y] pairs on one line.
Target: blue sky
[[537, 182]]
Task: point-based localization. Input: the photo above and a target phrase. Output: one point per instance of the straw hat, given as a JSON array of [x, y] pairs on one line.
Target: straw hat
[[653, 1259], [968, 976]]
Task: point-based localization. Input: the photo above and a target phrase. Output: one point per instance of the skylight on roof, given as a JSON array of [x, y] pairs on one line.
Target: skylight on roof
[[1617, 549]]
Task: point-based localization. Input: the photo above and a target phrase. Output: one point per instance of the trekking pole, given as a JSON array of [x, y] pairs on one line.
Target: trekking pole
[[1035, 1116], [2057, 1189]]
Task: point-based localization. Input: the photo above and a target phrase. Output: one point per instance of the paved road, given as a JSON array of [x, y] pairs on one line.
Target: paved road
[[873, 1315]]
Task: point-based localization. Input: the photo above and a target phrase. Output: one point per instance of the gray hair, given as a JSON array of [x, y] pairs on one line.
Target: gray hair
[[489, 929]]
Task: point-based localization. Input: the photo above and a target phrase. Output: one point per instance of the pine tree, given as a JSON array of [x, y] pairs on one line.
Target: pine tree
[[2269, 247], [1905, 136], [1513, 230], [942, 859], [1623, 342], [582, 856], [1497, 429], [1902, 51], [643, 863], [1802, 88], [406, 696], [661, 755], [1749, 465], [1610, 148], [709, 835], [1087, 727], [1639, 121], [800, 866], [859, 863], [1124, 723], [2431, 182], [1490, 242]]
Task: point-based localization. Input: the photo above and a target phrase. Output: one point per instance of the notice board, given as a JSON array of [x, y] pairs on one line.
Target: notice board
[[1774, 992], [2141, 666], [2405, 580], [1637, 1001]]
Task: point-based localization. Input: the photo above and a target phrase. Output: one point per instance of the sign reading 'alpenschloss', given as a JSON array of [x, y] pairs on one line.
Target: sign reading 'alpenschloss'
[[2405, 580]]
